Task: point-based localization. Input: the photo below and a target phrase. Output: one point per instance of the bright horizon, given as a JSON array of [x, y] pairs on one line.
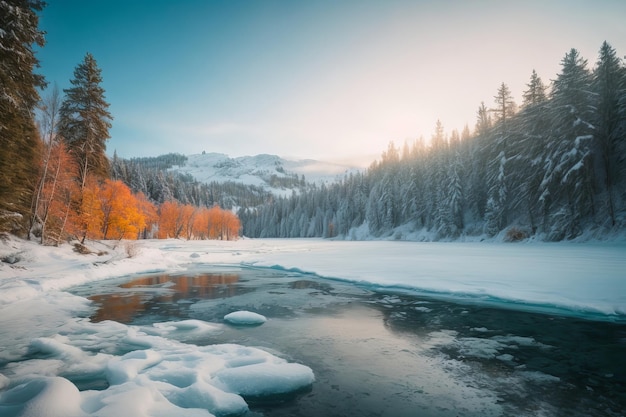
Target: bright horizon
[[325, 80]]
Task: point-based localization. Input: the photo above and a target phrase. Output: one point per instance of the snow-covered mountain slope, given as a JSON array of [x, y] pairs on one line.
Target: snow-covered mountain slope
[[272, 172]]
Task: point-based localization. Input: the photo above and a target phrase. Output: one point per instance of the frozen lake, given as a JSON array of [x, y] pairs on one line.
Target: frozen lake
[[377, 352]]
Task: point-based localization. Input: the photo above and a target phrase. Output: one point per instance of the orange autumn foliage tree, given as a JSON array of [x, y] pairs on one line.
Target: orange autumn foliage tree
[[122, 216], [222, 224], [149, 211], [170, 224], [178, 220], [231, 226], [90, 215], [187, 214], [201, 223], [112, 211]]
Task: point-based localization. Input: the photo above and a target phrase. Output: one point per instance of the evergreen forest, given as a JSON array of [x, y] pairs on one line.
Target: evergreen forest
[[553, 167]]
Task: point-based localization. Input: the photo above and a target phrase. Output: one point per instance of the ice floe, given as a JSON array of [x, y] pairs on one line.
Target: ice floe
[[244, 317]]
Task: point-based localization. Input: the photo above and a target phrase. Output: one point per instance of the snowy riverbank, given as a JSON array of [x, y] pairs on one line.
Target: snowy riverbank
[[578, 278], [48, 346]]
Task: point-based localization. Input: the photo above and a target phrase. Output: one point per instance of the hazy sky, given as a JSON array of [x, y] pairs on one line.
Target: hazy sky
[[326, 79]]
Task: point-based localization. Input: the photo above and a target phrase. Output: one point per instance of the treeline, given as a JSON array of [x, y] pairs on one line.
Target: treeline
[[110, 210], [54, 172], [151, 177], [554, 168]]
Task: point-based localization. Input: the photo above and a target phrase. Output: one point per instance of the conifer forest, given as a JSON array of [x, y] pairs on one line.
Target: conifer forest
[[553, 167]]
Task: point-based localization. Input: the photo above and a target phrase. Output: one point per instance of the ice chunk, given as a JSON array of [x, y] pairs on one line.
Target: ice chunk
[[184, 330], [42, 397], [265, 378], [187, 325], [245, 317]]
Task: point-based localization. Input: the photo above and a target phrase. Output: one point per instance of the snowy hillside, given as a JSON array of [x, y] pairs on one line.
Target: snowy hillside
[[272, 172]]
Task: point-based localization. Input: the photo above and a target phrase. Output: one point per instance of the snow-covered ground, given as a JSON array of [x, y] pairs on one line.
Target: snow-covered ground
[[152, 373]]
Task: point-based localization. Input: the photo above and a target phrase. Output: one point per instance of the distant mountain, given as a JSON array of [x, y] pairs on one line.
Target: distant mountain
[[273, 173]]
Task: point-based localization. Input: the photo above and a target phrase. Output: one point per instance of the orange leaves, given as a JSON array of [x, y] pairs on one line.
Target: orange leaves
[[170, 224], [110, 210], [177, 220], [149, 211], [90, 212], [223, 224], [122, 214]]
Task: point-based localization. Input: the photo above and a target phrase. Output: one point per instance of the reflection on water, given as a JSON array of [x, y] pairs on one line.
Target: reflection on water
[[166, 293]]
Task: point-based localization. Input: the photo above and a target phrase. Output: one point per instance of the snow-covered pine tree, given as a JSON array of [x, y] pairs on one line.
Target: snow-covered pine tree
[[19, 140], [119, 169], [476, 160], [456, 204], [608, 85], [528, 150], [483, 120], [497, 210], [417, 178], [437, 180], [505, 108], [567, 184], [536, 91], [373, 213]]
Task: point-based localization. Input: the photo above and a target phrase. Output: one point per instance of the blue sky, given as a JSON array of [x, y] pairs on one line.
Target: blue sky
[[327, 79]]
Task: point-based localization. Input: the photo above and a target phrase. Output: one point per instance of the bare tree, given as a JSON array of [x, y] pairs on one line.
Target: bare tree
[[49, 118]]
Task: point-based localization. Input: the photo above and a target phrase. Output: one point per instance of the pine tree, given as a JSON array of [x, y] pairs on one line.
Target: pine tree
[[495, 211], [536, 92], [505, 107], [483, 120], [608, 84], [19, 141], [455, 195], [567, 185], [530, 132], [498, 173], [85, 121]]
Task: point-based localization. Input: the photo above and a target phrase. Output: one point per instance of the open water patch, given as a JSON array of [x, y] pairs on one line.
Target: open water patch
[[389, 352]]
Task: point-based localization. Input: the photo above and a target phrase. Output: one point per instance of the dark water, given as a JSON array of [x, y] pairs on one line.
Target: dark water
[[389, 354]]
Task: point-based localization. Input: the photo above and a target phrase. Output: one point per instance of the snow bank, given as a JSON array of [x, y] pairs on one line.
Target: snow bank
[[50, 397], [245, 318], [573, 278], [580, 279], [159, 376], [155, 370]]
